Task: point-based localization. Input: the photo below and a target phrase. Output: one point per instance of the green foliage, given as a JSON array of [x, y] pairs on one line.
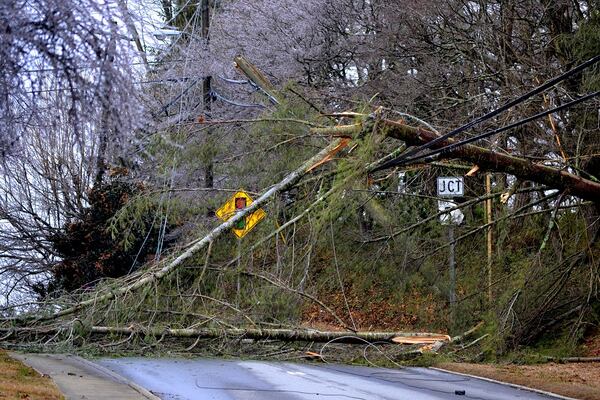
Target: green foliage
[[106, 241], [276, 146], [495, 344], [185, 15], [132, 221], [428, 359], [271, 304], [557, 343]]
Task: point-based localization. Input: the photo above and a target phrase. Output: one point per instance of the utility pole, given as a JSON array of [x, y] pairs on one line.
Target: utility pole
[[207, 90]]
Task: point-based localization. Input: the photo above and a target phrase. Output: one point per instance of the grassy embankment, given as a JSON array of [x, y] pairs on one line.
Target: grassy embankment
[[18, 381]]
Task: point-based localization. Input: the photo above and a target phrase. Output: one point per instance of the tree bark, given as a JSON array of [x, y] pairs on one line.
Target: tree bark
[[132, 31], [492, 161], [209, 179], [257, 78]]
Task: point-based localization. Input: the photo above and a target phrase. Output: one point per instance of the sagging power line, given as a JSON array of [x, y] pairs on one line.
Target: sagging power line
[[437, 152]]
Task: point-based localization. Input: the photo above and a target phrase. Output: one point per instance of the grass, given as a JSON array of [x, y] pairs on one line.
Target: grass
[[17, 381], [577, 380]]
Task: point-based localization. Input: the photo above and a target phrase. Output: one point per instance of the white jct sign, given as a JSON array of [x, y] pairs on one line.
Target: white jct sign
[[450, 186]]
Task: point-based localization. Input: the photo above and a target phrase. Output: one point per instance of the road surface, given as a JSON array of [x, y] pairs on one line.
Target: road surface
[[183, 379]]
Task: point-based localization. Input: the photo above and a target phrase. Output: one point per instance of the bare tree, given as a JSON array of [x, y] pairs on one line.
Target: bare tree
[[67, 105]]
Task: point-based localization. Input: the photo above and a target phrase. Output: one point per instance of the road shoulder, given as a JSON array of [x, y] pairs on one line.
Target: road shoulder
[[81, 379], [18, 381], [578, 381]]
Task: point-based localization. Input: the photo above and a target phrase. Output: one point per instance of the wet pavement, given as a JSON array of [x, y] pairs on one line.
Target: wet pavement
[[183, 379]]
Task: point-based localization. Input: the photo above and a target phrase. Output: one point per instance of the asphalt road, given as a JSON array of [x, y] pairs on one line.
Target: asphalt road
[[182, 379]]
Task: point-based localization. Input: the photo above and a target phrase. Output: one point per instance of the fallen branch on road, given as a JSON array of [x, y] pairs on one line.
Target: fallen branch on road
[[249, 333]]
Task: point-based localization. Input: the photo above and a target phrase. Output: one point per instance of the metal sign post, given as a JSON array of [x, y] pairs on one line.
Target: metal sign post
[[452, 265], [237, 203], [451, 187]]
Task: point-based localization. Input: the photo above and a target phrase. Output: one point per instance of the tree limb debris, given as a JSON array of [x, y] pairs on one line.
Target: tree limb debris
[[421, 340], [468, 333], [155, 275], [300, 293], [256, 77]]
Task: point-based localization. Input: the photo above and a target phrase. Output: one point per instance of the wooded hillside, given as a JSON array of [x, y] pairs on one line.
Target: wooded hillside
[[127, 125]]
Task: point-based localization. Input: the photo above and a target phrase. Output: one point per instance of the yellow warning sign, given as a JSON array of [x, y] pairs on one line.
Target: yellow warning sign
[[239, 201]]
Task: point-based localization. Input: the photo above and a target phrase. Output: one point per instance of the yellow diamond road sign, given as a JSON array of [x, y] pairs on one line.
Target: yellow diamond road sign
[[237, 203]]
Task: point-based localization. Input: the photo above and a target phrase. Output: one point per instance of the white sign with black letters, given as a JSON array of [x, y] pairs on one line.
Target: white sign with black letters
[[450, 186]]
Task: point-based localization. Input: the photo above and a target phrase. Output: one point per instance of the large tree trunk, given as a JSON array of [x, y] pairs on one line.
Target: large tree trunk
[[209, 178], [487, 160], [492, 161]]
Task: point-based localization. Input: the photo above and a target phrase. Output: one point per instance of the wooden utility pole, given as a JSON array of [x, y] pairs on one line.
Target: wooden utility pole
[[207, 90], [488, 215]]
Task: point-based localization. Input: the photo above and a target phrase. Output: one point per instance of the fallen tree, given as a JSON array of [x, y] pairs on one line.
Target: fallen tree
[[247, 333], [341, 135], [157, 274], [487, 160], [492, 161]]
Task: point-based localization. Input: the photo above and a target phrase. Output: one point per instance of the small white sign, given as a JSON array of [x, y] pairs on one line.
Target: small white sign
[[455, 217], [450, 186]]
